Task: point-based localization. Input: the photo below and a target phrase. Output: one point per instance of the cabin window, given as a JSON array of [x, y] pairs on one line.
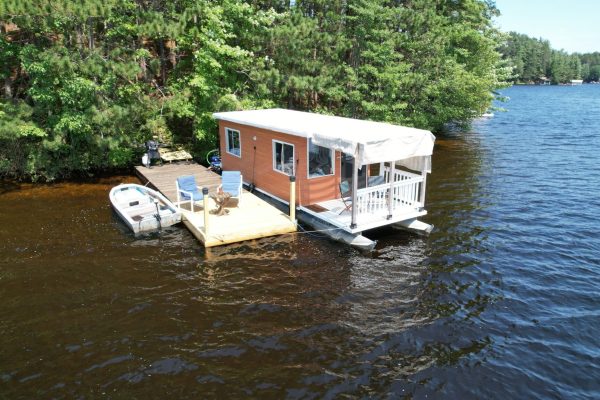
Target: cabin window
[[233, 142], [320, 160], [283, 157]]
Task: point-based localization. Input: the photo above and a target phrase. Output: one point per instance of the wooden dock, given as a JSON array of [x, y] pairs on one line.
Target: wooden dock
[[252, 218]]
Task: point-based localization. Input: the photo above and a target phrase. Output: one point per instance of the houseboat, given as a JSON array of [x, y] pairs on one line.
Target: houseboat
[[351, 175]]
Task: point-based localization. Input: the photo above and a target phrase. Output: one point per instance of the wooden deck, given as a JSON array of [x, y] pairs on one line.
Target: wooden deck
[[252, 218]]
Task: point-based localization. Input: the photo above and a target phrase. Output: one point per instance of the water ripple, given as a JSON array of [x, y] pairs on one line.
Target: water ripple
[[500, 301]]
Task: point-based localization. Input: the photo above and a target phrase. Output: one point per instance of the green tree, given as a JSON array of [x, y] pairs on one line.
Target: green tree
[[86, 83], [533, 59], [594, 74], [454, 63]]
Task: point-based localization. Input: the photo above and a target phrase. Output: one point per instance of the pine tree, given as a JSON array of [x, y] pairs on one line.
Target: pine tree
[[87, 82]]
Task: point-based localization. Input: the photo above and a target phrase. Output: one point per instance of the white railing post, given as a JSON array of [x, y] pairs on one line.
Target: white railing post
[[391, 190], [354, 193], [422, 194]]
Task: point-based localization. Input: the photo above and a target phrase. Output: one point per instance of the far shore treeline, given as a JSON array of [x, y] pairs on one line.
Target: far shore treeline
[[85, 83], [534, 61]]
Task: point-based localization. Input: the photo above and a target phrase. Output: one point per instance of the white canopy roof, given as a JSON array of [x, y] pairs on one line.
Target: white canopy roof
[[370, 142]]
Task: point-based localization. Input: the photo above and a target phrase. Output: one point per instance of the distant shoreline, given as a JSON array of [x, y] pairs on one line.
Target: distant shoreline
[[553, 84]]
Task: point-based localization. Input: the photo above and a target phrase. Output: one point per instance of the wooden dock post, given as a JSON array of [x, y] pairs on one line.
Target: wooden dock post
[[292, 198], [205, 193], [391, 190]]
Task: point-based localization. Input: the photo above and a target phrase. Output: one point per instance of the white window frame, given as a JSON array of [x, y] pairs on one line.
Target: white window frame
[[227, 130], [281, 171], [331, 151]]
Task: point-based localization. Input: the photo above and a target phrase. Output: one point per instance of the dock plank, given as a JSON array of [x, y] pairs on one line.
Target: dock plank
[[251, 218]]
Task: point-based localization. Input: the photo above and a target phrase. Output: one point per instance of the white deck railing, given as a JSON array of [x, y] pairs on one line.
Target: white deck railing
[[399, 175], [405, 190]]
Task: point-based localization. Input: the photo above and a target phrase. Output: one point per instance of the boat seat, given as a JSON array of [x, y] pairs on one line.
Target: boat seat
[[129, 197], [146, 211], [142, 209]]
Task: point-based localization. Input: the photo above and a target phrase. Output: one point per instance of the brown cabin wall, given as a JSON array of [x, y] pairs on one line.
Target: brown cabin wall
[[308, 191]]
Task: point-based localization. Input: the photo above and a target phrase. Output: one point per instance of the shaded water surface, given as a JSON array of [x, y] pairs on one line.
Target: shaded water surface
[[501, 301]]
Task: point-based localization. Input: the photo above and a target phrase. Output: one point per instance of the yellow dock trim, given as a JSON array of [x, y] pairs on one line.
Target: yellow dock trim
[[253, 218]]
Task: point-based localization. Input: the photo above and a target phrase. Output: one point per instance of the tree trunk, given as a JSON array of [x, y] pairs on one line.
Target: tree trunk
[[314, 95], [172, 55], [144, 68], [79, 32], [91, 34], [163, 62], [8, 87], [143, 75], [19, 83]]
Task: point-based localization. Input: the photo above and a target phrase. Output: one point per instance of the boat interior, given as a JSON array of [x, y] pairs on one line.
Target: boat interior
[[137, 204]]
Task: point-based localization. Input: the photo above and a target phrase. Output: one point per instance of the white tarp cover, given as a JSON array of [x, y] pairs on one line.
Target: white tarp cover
[[370, 142]]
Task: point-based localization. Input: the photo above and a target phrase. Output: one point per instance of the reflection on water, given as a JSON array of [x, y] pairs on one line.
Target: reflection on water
[[499, 302]]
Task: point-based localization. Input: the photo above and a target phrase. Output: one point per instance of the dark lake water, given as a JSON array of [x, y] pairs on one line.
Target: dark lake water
[[501, 301]]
